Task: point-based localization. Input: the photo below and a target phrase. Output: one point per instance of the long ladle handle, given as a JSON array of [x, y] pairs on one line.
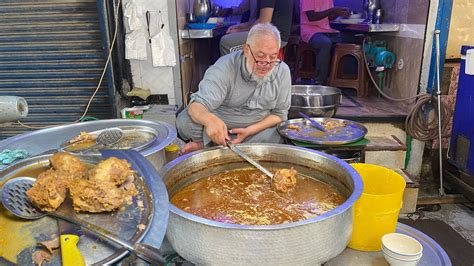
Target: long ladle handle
[[248, 159]]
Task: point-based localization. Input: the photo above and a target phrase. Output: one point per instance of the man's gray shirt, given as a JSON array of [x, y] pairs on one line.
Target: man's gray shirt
[[228, 91]]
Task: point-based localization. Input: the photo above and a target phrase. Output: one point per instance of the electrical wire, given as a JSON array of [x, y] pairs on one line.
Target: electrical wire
[[418, 123], [86, 110]]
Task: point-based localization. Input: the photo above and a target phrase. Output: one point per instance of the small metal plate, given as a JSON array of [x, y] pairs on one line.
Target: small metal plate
[[134, 137], [302, 130]]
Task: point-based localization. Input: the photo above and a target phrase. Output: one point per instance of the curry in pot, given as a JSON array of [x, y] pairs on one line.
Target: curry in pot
[[246, 197]]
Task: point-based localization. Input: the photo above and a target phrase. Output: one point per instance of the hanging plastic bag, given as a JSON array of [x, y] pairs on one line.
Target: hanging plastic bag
[[133, 13], [162, 50], [135, 45]]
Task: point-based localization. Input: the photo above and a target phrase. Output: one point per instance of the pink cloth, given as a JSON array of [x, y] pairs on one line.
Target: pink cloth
[[309, 28]]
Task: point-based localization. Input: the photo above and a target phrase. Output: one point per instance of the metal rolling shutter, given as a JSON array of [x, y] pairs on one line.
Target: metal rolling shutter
[[51, 53]]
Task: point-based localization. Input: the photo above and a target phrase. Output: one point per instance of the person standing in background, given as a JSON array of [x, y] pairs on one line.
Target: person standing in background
[[277, 12], [316, 31]]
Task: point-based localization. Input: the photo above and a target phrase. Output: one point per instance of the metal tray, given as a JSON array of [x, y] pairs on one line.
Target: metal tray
[[433, 253], [134, 137], [351, 132], [122, 222]]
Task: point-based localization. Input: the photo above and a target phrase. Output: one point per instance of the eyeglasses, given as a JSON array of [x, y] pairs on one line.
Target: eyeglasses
[[264, 63]]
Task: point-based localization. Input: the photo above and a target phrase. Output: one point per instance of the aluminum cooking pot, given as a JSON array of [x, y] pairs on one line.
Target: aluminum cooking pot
[[314, 100], [308, 242]]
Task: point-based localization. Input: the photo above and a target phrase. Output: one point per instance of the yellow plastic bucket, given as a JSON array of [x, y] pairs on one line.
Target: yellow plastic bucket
[[376, 211]]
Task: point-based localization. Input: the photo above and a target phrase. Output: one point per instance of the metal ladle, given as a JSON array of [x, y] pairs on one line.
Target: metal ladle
[[250, 160], [15, 200]]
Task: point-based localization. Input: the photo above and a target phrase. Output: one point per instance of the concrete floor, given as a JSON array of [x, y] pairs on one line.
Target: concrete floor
[[458, 216]]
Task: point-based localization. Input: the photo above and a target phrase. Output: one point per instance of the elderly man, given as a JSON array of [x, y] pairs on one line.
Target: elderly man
[[245, 94]]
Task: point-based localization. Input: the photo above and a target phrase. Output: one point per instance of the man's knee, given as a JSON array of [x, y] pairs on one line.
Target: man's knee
[[269, 135], [187, 128]]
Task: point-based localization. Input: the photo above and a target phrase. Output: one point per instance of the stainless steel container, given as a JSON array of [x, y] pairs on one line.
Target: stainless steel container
[[308, 242], [314, 100], [39, 141], [202, 10]]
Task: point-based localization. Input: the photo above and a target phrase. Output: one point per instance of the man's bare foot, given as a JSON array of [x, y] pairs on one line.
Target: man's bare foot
[[191, 146]]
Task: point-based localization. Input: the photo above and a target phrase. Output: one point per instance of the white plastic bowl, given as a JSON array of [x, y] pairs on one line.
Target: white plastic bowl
[[400, 249], [402, 244], [401, 262]]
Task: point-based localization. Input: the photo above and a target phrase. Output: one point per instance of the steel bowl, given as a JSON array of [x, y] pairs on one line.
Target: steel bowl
[[314, 100], [307, 242]]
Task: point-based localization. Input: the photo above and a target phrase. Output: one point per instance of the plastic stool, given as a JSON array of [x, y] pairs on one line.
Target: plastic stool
[[337, 77], [305, 63]]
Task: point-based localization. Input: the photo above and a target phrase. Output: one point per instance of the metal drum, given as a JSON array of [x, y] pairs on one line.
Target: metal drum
[[307, 242]]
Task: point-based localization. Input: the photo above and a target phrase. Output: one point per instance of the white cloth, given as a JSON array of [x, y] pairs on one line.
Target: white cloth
[[135, 45], [133, 14], [162, 50]]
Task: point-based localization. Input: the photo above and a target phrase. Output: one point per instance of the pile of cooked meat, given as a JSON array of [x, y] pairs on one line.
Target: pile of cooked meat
[[106, 187]]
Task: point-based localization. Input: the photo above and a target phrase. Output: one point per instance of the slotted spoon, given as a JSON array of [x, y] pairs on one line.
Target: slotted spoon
[[15, 200], [107, 137]]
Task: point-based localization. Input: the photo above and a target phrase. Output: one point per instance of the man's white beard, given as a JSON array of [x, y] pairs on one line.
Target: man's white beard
[[255, 77]]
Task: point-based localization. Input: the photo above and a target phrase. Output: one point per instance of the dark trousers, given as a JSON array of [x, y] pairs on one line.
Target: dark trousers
[[324, 43]]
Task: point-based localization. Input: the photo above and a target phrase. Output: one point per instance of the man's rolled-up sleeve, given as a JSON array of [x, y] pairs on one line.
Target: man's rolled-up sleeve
[[213, 87], [284, 97]]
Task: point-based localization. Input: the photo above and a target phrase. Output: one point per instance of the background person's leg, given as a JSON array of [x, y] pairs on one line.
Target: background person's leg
[[232, 40], [323, 43]]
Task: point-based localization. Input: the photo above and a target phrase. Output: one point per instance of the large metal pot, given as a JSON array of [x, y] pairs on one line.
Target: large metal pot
[[309, 242], [39, 141], [314, 100]]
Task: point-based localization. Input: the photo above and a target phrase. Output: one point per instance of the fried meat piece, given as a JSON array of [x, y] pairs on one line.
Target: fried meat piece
[[284, 180], [83, 136], [96, 196], [49, 190], [69, 163], [112, 170]]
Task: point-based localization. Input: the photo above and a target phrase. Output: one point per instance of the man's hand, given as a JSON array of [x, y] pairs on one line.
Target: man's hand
[[233, 28], [216, 129], [340, 12], [242, 134]]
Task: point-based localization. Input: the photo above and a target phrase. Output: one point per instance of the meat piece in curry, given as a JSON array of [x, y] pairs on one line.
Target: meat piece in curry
[[284, 180]]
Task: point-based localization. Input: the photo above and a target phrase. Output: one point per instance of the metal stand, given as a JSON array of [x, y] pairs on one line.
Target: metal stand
[[438, 94]]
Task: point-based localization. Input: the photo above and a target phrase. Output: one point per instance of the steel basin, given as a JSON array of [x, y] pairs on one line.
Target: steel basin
[[39, 141], [314, 100], [309, 242]]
